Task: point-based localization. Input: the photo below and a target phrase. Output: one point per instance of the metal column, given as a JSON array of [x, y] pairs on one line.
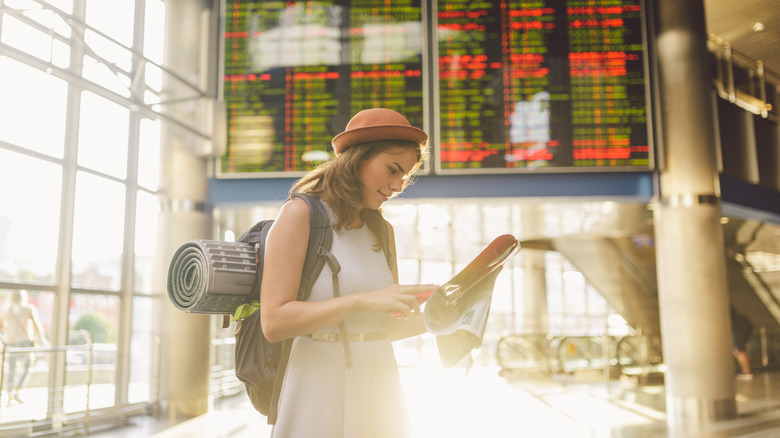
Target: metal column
[[185, 215], [693, 292], [535, 315]]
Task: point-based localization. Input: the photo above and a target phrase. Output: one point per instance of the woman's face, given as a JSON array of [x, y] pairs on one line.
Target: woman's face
[[382, 176]]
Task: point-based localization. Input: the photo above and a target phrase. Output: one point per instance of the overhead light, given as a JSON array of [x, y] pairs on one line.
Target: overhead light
[[757, 26]]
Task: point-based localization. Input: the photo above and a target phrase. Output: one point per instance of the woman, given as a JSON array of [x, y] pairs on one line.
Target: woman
[[375, 157]]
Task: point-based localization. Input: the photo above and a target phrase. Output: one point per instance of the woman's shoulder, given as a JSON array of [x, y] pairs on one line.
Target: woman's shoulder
[[294, 210]]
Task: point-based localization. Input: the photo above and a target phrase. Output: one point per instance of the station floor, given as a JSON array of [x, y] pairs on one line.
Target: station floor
[[479, 403]]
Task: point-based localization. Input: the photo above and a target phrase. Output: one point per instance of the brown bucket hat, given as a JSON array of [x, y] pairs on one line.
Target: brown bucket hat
[[377, 124]]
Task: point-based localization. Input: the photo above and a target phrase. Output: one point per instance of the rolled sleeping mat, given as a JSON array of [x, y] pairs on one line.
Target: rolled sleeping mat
[[210, 276]]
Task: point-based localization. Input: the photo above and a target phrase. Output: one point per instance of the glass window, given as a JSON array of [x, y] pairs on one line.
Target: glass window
[[519, 291], [108, 51], [144, 352], [100, 73], [503, 291], [60, 54], [153, 77], [409, 271], [435, 272], [114, 18], [46, 17], [64, 5], [98, 230], [466, 221], [31, 100], [574, 292], [154, 30], [34, 137], [92, 319], [497, 220], [434, 227], [58, 24], [556, 306], [403, 217], [147, 209], [29, 218], [30, 40], [597, 304], [149, 154], [103, 135]]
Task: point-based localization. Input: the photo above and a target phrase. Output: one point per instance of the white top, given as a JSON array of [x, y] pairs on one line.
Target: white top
[[320, 396]]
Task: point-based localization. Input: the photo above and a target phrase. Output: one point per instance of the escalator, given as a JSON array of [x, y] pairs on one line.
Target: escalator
[[623, 270], [754, 290]]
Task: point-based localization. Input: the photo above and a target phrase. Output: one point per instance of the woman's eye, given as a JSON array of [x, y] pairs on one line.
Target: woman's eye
[[392, 171]]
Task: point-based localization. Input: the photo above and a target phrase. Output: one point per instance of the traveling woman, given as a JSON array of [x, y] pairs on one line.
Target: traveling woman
[[331, 389]]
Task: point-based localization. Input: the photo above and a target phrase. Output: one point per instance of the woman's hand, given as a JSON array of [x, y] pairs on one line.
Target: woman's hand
[[398, 299]]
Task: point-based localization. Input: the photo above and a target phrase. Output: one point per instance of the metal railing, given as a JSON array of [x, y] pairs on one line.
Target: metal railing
[[745, 81], [89, 372], [557, 354], [570, 354], [631, 355], [529, 353], [223, 368]]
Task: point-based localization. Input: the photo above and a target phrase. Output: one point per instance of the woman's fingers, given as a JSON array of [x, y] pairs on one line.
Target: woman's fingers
[[415, 289], [399, 300], [411, 297]]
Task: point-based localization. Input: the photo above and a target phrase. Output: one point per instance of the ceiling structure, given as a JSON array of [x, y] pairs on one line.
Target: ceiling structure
[[751, 27]]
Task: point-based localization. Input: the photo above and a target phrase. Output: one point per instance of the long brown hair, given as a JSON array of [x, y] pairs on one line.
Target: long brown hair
[[339, 179]]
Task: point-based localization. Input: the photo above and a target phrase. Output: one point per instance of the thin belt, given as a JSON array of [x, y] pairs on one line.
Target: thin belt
[[324, 336]]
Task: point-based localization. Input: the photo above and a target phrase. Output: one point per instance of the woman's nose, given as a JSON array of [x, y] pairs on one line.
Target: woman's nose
[[396, 185]]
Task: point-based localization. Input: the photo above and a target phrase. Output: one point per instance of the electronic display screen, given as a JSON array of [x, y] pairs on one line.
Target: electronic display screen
[[513, 86], [541, 84], [294, 73]]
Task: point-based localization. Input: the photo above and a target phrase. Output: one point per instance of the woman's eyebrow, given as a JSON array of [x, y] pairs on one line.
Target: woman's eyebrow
[[401, 169]]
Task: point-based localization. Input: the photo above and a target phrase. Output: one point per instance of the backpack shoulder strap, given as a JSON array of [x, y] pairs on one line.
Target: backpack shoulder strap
[[320, 236], [320, 241]]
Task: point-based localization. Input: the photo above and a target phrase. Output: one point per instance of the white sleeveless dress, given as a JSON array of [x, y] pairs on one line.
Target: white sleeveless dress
[[322, 398]]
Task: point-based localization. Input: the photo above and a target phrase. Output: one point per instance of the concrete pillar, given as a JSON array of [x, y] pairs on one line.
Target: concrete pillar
[[534, 293], [183, 192], [692, 287], [535, 319]]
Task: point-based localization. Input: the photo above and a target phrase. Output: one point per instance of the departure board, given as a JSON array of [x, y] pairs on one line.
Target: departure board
[[530, 85], [294, 73]]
